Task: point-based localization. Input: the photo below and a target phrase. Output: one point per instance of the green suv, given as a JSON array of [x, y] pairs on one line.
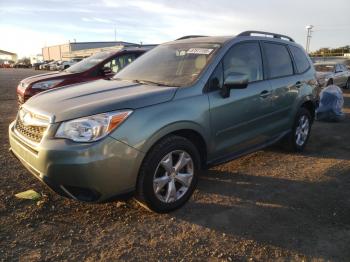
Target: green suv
[[183, 106]]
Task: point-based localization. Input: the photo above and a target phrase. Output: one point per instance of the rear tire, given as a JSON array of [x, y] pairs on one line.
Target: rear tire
[[347, 85], [297, 139], [168, 174]]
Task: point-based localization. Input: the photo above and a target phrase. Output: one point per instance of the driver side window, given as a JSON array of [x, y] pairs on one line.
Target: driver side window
[[244, 58], [108, 64], [119, 62]]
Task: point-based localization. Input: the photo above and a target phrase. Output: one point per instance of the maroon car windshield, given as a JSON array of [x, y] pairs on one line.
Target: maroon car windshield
[[89, 62]]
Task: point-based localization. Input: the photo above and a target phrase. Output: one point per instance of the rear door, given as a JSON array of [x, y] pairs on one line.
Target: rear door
[[284, 82], [241, 120]]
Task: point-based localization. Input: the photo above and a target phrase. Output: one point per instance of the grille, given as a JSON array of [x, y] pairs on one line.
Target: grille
[[33, 133]]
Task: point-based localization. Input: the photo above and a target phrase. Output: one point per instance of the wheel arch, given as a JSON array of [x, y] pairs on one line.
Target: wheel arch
[[191, 131], [310, 106]]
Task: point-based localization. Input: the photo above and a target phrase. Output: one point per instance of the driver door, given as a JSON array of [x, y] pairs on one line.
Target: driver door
[[241, 120]]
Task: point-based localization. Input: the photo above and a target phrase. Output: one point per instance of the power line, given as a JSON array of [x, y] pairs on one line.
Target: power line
[[332, 25]]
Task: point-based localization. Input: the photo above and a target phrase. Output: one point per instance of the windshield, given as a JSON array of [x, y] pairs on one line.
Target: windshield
[[89, 62], [177, 64], [324, 68]]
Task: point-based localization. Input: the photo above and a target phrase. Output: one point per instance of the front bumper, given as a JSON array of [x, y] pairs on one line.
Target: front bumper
[[91, 172]]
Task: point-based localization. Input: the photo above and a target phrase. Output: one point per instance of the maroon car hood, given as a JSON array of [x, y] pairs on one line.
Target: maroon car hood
[[46, 76]]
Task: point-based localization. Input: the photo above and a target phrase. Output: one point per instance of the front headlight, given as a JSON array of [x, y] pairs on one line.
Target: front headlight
[[91, 128], [47, 84]]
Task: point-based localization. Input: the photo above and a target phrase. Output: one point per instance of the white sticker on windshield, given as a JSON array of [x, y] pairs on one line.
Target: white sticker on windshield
[[200, 51]]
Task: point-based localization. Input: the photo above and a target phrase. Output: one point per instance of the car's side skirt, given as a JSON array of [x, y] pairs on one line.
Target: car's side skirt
[[246, 151]]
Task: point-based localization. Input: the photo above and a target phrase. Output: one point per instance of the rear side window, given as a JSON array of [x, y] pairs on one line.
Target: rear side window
[[279, 62], [244, 58], [300, 59]]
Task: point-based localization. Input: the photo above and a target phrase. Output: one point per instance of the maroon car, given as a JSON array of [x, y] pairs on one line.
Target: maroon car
[[101, 65]]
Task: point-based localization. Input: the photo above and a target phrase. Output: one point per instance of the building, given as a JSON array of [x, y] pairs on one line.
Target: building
[[78, 49], [36, 58], [8, 56]]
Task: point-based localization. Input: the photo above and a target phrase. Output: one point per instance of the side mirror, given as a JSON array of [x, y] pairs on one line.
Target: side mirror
[[234, 81], [106, 70]]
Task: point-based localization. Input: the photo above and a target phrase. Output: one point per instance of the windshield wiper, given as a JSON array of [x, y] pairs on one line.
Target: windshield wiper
[[147, 82]]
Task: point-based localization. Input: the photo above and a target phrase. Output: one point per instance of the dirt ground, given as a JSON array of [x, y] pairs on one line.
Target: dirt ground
[[270, 205]]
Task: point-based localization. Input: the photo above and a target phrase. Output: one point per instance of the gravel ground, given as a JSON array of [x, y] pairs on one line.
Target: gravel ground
[[270, 205]]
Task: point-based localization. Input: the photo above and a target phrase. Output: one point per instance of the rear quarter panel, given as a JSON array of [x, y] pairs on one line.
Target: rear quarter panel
[[308, 92]]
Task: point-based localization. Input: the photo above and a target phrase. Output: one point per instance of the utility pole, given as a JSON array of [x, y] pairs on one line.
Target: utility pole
[[115, 33], [308, 37]]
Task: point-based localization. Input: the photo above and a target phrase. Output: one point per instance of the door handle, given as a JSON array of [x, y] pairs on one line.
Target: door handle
[[298, 84], [265, 94]]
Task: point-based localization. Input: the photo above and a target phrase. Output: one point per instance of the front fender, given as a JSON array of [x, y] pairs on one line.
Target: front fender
[[146, 126]]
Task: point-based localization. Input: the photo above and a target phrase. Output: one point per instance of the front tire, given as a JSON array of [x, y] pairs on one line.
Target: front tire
[[297, 139], [168, 174]]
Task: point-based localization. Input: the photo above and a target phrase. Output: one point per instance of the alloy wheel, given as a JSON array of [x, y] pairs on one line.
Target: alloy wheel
[[173, 176], [302, 130]]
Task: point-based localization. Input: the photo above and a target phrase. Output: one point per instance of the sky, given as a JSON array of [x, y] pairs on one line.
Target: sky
[[27, 26]]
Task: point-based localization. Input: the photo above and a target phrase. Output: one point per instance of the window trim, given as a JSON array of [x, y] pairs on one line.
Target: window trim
[[293, 58], [265, 58], [207, 85], [206, 88], [261, 57]]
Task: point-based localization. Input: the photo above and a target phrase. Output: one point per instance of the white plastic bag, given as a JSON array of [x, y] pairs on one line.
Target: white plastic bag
[[331, 104]]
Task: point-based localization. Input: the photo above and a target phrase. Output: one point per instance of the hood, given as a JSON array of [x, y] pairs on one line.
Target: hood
[[46, 76], [96, 97], [323, 74]]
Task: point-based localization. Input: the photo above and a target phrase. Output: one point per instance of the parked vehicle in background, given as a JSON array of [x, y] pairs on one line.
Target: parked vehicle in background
[[41, 67], [55, 65], [22, 65], [37, 65], [182, 106], [47, 65], [329, 73], [6, 63], [44, 63], [66, 64], [102, 65]]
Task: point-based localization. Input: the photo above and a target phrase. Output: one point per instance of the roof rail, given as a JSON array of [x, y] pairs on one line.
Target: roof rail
[[279, 36], [190, 36]]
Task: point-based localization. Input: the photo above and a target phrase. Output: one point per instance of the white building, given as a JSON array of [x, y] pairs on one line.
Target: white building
[[5, 55], [76, 49], [36, 58]]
